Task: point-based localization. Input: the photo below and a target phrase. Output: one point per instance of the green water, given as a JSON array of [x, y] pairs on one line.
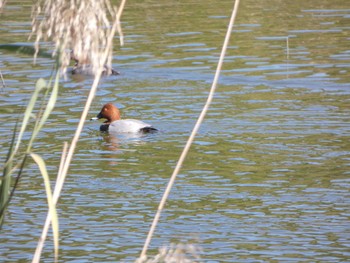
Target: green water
[[267, 179]]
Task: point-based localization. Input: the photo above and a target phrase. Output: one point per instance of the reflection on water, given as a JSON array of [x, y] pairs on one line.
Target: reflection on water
[[267, 178], [117, 141]]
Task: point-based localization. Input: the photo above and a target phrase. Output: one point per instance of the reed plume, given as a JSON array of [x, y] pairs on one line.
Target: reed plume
[[79, 27]]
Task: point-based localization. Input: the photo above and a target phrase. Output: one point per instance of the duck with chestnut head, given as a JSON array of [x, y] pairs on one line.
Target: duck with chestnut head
[[115, 124], [82, 67]]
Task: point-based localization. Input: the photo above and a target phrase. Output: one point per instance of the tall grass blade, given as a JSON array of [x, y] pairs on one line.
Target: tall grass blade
[[58, 185], [52, 208], [48, 109], [40, 84], [51, 103], [6, 179]]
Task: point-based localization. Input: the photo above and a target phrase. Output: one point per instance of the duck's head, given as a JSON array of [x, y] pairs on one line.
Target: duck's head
[[109, 112], [79, 60]]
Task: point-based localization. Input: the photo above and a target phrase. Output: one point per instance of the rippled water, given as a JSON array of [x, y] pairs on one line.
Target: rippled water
[[267, 179]]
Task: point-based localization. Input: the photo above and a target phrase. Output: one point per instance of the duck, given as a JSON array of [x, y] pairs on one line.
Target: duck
[[115, 124], [82, 67], [87, 70]]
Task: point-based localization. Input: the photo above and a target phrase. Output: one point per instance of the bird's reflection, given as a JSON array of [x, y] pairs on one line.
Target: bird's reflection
[[120, 142]]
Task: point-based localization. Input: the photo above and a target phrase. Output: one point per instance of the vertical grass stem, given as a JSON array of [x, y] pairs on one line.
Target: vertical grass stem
[[193, 134]]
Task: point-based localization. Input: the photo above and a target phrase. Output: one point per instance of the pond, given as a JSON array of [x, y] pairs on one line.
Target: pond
[[267, 178]]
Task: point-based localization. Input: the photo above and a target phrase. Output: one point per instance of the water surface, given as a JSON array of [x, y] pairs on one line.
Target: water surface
[[267, 179]]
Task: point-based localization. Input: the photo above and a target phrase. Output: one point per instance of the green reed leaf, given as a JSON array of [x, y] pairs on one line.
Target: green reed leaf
[[40, 84], [52, 208], [48, 109], [5, 180]]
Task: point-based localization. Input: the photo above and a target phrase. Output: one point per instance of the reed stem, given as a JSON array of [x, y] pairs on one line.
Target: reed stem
[[193, 134]]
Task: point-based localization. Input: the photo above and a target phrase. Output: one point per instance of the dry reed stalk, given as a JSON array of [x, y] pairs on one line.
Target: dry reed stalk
[[57, 190], [2, 4], [2, 80], [189, 142], [79, 26], [287, 44], [104, 57]]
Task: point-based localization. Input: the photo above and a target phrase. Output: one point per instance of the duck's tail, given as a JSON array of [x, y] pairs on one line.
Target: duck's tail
[[148, 130]]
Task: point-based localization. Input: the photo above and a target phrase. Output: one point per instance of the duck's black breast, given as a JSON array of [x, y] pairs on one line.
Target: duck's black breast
[[104, 127]]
